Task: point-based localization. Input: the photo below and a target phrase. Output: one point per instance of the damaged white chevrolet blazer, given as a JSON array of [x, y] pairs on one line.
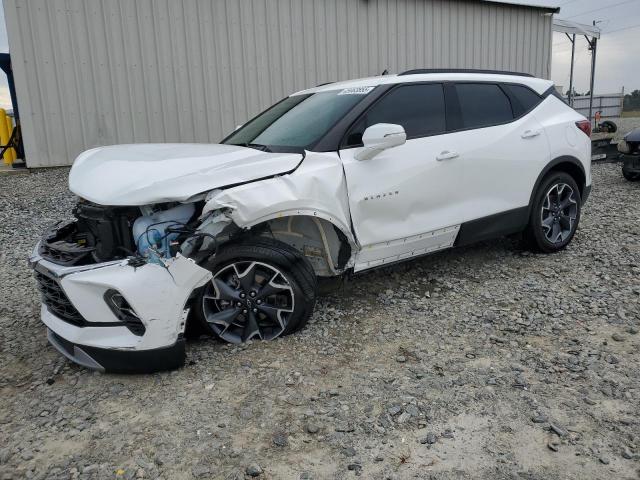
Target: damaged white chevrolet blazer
[[340, 178]]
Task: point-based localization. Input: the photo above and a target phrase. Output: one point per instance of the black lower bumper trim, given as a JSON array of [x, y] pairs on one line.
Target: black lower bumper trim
[[122, 361]]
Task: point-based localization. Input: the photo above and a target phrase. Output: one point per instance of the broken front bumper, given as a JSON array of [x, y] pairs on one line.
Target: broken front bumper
[[115, 316]]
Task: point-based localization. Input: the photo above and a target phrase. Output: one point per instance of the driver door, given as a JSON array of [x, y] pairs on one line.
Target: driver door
[[406, 200]]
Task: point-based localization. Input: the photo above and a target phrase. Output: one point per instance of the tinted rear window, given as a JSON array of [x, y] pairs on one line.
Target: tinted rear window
[[418, 108], [483, 104], [524, 99]]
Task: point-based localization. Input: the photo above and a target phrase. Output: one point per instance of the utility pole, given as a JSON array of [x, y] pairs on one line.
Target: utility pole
[[593, 44], [572, 39]]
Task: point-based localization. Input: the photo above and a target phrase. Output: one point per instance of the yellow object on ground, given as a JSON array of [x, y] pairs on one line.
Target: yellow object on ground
[[4, 135], [11, 151]]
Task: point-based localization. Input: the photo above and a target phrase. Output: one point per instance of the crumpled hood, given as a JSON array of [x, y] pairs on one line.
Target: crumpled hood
[[144, 174]]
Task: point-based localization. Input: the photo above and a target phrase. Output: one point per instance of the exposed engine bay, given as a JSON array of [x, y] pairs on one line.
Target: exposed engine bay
[[98, 234], [154, 234], [105, 233]]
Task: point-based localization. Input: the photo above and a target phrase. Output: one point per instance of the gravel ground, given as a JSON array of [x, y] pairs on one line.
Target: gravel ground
[[482, 362], [625, 125]]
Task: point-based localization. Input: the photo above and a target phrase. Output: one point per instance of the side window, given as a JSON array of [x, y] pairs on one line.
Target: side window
[[483, 104], [523, 99], [418, 108]]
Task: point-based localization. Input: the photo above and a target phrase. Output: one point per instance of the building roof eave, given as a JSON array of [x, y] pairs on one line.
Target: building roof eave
[[547, 8], [567, 26]]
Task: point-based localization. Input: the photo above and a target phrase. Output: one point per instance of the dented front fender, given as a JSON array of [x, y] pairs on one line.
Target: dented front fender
[[317, 188]]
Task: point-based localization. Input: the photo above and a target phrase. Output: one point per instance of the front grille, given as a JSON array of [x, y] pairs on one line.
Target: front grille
[[57, 301]]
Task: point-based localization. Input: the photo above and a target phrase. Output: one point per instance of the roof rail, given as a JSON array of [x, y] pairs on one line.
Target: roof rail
[[461, 70]]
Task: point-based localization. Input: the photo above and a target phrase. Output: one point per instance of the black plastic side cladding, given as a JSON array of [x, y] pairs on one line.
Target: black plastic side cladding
[[493, 226]]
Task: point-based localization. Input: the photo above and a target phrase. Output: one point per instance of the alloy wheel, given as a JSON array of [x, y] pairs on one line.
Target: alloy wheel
[[248, 300], [559, 213]]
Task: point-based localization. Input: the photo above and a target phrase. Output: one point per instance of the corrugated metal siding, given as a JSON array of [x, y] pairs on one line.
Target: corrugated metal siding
[[99, 72]]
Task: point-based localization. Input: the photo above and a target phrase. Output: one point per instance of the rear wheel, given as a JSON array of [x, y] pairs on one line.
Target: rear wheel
[[555, 213], [261, 289]]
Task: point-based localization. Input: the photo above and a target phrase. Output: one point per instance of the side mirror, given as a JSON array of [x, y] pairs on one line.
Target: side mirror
[[379, 137]]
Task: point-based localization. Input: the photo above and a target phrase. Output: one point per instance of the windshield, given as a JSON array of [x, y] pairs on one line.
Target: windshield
[[298, 121]]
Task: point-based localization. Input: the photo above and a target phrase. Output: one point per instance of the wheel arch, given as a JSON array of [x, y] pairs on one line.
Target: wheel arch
[[327, 245], [567, 164]]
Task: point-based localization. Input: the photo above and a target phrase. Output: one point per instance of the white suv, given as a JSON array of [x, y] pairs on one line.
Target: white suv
[[340, 178]]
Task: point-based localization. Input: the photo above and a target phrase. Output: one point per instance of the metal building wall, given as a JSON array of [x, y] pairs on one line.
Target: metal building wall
[[99, 72]]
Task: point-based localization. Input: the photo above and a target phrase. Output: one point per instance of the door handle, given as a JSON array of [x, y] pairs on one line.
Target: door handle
[[447, 155], [530, 133]]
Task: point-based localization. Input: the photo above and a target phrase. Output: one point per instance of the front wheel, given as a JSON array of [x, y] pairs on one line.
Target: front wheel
[[261, 289], [555, 213]]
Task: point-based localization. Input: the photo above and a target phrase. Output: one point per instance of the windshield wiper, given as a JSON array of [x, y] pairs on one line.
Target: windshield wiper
[[257, 146]]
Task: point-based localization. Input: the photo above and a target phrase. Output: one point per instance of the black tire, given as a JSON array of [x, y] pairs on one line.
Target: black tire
[[631, 176], [609, 126], [280, 313], [547, 239]]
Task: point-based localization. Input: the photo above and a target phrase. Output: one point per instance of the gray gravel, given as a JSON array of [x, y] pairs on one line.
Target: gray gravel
[[483, 362], [625, 125]]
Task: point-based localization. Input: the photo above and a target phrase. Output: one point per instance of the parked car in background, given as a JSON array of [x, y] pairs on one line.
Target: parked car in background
[[333, 180], [629, 149]]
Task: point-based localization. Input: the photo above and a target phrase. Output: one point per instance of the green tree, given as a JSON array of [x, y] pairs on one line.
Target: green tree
[[632, 101]]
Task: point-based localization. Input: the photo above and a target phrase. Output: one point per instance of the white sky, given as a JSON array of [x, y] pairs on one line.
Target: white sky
[[618, 57]]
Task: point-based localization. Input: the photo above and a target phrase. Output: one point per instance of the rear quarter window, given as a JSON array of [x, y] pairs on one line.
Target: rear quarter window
[[555, 93], [523, 99], [483, 105]]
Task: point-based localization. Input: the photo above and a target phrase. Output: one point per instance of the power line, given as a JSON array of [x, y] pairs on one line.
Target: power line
[[626, 17], [601, 8], [567, 3], [621, 29]]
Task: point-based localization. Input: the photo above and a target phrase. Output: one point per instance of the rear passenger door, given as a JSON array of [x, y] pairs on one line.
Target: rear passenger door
[[501, 149]]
